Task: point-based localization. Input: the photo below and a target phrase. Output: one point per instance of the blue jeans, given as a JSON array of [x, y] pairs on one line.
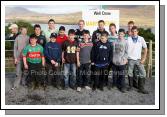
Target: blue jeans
[[139, 66], [70, 70]]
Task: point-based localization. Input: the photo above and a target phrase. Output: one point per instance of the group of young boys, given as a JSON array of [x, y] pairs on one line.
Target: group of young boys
[[80, 60]]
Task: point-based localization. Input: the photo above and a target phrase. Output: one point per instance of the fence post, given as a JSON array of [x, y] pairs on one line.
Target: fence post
[[149, 68]]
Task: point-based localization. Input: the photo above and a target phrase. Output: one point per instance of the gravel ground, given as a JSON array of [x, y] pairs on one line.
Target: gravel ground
[[54, 96]]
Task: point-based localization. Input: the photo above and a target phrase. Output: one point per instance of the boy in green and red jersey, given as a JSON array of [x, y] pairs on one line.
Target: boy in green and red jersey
[[34, 60]]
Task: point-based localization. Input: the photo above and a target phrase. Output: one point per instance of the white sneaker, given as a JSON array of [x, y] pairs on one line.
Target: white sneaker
[[87, 87], [78, 89]]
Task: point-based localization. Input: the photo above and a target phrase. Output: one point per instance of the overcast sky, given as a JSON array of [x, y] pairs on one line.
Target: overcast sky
[[57, 9]]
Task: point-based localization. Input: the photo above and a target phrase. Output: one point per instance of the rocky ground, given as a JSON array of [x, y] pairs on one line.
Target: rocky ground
[[54, 96]]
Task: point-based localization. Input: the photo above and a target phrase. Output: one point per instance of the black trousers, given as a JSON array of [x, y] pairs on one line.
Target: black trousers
[[83, 75], [100, 74], [119, 75], [36, 74], [53, 75]]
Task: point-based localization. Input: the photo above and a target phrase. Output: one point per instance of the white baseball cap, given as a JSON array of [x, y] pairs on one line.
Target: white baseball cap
[[13, 26]]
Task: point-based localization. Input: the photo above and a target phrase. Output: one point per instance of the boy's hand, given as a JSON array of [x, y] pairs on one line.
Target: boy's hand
[[125, 61], [63, 60], [26, 66], [16, 61], [142, 61], [53, 62], [92, 63], [43, 64], [78, 64], [78, 49], [56, 64]]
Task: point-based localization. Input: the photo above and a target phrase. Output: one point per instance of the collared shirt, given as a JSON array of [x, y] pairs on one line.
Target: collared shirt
[[135, 48], [48, 32]]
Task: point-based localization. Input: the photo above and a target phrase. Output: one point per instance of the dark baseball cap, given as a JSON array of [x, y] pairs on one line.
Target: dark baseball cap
[[53, 35]]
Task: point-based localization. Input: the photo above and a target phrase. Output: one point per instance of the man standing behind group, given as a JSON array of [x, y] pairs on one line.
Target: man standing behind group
[[97, 33], [20, 42], [41, 38], [51, 29], [79, 32], [14, 32], [129, 32]]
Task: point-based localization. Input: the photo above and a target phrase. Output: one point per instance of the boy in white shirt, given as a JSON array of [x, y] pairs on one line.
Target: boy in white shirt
[[135, 45]]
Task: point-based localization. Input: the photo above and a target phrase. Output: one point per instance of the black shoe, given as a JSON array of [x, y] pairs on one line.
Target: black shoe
[[73, 87], [109, 87], [65, 88], [94, 88], [101, 88], [130, 89], [141, 86], [122, 90], [130, 79]]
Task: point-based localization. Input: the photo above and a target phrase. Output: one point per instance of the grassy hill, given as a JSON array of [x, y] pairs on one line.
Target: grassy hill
[[142, 15]]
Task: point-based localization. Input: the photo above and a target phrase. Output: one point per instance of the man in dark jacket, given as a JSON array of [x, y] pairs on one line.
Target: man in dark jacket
[[52, 53], [97, 33], [41, 38], [79, 32]]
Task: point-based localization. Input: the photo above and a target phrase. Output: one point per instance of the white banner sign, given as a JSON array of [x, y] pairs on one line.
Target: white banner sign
[[91, 18]]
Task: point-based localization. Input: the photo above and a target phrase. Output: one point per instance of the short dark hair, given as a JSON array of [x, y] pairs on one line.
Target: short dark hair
[[112, 24], [51, 20], [62, 28], [37, 26], [86, 32], [101, 21], [135, 28], [33, 36], [131, 22], [71, 31], [121, 30], [104, 34]]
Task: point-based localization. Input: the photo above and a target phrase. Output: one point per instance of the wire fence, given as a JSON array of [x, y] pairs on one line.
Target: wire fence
[[149, 64]]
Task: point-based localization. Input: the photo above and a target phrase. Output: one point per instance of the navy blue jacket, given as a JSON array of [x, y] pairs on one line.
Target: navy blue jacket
[[101, 53], [52, 51]]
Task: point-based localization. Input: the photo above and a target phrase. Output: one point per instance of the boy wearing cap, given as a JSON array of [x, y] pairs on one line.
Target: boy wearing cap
[[135, 45], [69, 58], [83, 61], [34, 60], [61, 36], [52, 54], [20, 42]]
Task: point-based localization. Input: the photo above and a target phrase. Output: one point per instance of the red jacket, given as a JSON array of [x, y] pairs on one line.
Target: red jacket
[[60, 40]]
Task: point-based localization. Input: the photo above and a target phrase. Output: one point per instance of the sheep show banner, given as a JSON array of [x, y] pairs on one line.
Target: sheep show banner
[[91, 18]]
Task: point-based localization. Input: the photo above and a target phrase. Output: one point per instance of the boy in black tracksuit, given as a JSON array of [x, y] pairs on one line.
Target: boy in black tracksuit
[[101, 57]]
